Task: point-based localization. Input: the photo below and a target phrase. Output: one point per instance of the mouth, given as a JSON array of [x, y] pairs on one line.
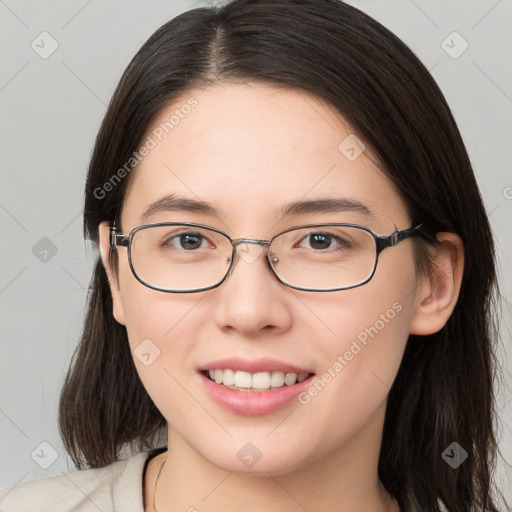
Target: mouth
[[238, 380], [253, 387]]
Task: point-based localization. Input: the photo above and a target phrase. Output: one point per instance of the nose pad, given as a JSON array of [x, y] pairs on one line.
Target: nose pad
[[249, 252]]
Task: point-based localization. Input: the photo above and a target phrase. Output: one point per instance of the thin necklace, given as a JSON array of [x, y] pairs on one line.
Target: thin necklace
[[156, 482]]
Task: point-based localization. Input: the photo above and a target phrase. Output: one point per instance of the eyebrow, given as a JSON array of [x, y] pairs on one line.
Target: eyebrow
[[327, 205], [173, 202]]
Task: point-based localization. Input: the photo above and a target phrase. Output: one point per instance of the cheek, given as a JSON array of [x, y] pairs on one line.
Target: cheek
[[162, 331], [168, 320], [357, 371], [365, 334], [149, 313], [371, 315], [159, 326]]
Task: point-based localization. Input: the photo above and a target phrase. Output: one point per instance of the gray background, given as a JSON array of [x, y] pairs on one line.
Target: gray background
[[51, 110]]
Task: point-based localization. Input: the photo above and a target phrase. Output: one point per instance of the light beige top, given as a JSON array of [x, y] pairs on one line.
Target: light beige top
[[117, 487]]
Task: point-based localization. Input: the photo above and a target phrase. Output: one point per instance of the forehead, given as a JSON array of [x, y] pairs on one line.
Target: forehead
[[251, 150]]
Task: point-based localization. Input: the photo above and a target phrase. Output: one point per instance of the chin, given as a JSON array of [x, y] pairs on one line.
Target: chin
[[258, 459]]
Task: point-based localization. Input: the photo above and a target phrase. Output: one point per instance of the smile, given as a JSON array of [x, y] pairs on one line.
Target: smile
[[253, 387], [260, 381]]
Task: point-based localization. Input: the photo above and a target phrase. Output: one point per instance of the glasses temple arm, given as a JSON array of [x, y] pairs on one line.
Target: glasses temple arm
[[117, 240], [396, 237]]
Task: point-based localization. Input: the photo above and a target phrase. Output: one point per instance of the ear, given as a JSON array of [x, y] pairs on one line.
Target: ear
[[104, 246], [437, 296]]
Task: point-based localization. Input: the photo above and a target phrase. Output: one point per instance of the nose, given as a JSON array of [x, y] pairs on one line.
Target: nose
[[251, 299]]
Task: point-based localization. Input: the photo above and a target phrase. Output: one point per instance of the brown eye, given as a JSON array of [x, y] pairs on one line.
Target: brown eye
[[185, 241], [320, 241]]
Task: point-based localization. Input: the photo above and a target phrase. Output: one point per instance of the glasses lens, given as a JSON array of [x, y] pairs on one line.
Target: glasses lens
[[178, 257], [324, 257]]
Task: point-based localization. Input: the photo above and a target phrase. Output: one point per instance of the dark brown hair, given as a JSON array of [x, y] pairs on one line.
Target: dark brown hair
[[443, 391]]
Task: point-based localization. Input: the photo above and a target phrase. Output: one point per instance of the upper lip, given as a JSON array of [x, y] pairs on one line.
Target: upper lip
[[253, 365]]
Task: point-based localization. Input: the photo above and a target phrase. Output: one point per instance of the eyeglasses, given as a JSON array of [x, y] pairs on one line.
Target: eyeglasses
[[187, 257]]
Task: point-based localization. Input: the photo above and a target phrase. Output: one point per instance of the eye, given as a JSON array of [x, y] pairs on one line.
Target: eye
[[186, 241], [322, 241]]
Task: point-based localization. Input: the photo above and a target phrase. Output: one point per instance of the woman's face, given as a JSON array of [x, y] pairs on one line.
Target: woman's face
[[249, 150]]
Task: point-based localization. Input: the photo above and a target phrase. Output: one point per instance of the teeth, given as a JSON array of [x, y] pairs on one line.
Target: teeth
[[290, 379], [228, 377], [261, 380], [242, 379], [277, 379], [257, 381]]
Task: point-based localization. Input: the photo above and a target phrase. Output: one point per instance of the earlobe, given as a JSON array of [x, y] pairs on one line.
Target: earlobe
[[437, 295], [104, 247]]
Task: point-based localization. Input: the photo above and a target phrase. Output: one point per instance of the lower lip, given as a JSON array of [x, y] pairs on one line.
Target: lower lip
[[253, 403]]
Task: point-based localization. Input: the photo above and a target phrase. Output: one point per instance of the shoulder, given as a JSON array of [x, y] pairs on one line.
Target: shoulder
[[117, 486]]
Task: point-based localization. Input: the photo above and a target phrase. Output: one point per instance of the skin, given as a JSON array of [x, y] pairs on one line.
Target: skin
[[248, 149]]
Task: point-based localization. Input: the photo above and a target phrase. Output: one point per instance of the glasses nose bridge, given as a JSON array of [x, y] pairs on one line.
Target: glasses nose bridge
[[248, 255], [265, 244], [255, 241]]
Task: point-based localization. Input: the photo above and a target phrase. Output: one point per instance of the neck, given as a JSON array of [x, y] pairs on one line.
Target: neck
[[345, 480]]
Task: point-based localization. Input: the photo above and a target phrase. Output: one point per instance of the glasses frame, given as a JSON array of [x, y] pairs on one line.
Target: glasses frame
[[381, 243]]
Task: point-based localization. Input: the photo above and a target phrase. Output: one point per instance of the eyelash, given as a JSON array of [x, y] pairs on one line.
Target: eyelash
[[343, 243]]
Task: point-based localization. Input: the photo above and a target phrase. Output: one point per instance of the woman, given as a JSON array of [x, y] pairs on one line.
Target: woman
[[294, 284]]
